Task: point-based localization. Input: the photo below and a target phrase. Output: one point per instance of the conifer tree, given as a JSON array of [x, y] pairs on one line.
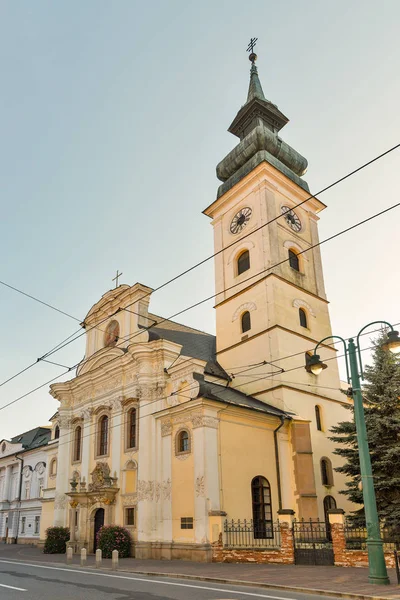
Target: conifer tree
[[381, 392]]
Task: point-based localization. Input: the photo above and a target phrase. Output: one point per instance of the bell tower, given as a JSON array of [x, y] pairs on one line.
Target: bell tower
[[271, 306]]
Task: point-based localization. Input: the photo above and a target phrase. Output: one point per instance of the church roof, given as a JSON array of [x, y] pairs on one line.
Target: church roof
[[227, 395], [32, 438], [195, 343]]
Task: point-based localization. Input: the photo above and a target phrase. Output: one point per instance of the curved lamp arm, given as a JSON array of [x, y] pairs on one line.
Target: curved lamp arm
[[358, 343], [336, 337]]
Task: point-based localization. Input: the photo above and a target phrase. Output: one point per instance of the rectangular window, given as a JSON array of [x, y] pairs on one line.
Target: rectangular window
[[186, 522], [23, 521], [130, 516], [37, 525]]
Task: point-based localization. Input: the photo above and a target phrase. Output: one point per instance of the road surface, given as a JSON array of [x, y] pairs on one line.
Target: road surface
[[30, 581]]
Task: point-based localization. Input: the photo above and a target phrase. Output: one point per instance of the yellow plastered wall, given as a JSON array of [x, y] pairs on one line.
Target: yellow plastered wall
[[182, 491], [238, 467], [47, 518]]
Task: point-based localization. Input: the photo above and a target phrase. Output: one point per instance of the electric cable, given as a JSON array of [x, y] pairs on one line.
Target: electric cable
[[61, 345]]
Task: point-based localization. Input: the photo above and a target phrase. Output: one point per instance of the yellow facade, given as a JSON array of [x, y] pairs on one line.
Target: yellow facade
[[231, 427]]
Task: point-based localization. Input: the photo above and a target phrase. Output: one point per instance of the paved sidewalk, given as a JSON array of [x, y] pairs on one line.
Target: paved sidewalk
[[337, 580]]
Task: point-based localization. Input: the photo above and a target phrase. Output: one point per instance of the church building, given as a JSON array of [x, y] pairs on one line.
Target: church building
[[168, 430]]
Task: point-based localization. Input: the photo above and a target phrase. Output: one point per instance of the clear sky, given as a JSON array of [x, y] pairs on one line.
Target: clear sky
[[113, 116]]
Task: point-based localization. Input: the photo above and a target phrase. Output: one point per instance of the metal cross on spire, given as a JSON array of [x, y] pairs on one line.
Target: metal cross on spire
[[118, 275], [250, 48]]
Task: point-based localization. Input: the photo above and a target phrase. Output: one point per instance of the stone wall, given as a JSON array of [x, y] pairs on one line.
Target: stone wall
[[283, 555], [352, 558]]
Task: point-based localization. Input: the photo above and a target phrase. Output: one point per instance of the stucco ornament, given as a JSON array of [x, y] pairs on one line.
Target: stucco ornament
[[145, 490], [100, 477], [166, 428], [167, 488], [40, 468], [200, 485], [60, 500], [199, 420], [129, 499]]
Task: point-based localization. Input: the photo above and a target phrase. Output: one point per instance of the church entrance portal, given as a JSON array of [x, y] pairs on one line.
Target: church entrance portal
[[98, 523]]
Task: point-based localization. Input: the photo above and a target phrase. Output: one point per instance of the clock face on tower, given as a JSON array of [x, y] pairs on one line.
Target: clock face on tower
[[240, 220], [291, 218]]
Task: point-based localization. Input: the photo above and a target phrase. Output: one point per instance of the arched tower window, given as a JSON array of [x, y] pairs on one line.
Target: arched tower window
[[103, 435], [77, 443], [294, 260], [303, 317], [183, 441], [246, 321], [326, 472], [262, 508], [132, 428], [243, 262], [318, 417], [56, 432]]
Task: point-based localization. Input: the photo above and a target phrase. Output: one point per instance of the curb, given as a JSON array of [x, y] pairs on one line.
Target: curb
[[302, 590]]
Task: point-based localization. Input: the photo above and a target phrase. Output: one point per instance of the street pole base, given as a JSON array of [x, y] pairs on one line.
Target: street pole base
[[379, 580]]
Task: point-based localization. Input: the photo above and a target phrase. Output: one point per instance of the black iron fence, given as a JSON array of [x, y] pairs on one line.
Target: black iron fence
[[251, 534], [312, 542], [356, 536]]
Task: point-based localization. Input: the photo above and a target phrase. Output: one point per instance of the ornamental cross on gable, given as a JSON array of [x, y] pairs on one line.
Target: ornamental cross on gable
[[118, 275]]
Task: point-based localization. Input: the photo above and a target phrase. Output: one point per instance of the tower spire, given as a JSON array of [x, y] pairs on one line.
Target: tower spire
[[255, 88]]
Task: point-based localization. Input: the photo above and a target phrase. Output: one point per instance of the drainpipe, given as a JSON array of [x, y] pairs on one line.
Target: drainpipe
[[19, 495], [278, 469]]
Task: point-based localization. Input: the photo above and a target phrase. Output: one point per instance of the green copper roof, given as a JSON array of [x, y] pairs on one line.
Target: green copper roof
[[255, 88]]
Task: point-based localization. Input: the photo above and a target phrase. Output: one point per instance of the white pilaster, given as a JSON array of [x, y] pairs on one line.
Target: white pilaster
[[205, 447], [116, 449], [166, 492], [87, 441], [7, 483], [62, 481]]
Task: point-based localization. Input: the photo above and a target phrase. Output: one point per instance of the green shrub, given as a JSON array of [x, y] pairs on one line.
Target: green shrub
[[114, 537], [56, 538]]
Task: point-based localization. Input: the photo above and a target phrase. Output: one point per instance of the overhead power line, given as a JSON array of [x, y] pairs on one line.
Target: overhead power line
[[203, 261], [71, 338], [202, 301]]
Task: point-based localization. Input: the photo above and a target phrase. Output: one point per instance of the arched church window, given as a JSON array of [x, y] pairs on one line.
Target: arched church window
[[132, 428], [56, 432], [183, 442], [303, 317], [294, 260], [318, 417], [53, 467], [246, 321], [77, 443], [262, 508], [326, 472], [243, 262], [103, 435]]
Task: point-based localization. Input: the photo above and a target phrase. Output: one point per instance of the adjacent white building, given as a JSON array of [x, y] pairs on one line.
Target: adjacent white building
[[22, 480]]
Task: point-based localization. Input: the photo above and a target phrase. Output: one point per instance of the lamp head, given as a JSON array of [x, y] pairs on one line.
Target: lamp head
[[315, 365], [392, 343]]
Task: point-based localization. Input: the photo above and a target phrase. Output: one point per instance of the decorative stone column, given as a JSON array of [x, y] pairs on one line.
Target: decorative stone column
[[117, 421], [87, 442], [7, 483], [206, 477], [286, 517], [62, 481], [336, 521], [166, 502]]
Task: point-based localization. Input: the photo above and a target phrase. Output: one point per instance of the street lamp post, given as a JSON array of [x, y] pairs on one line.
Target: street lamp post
[[376, 558]]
